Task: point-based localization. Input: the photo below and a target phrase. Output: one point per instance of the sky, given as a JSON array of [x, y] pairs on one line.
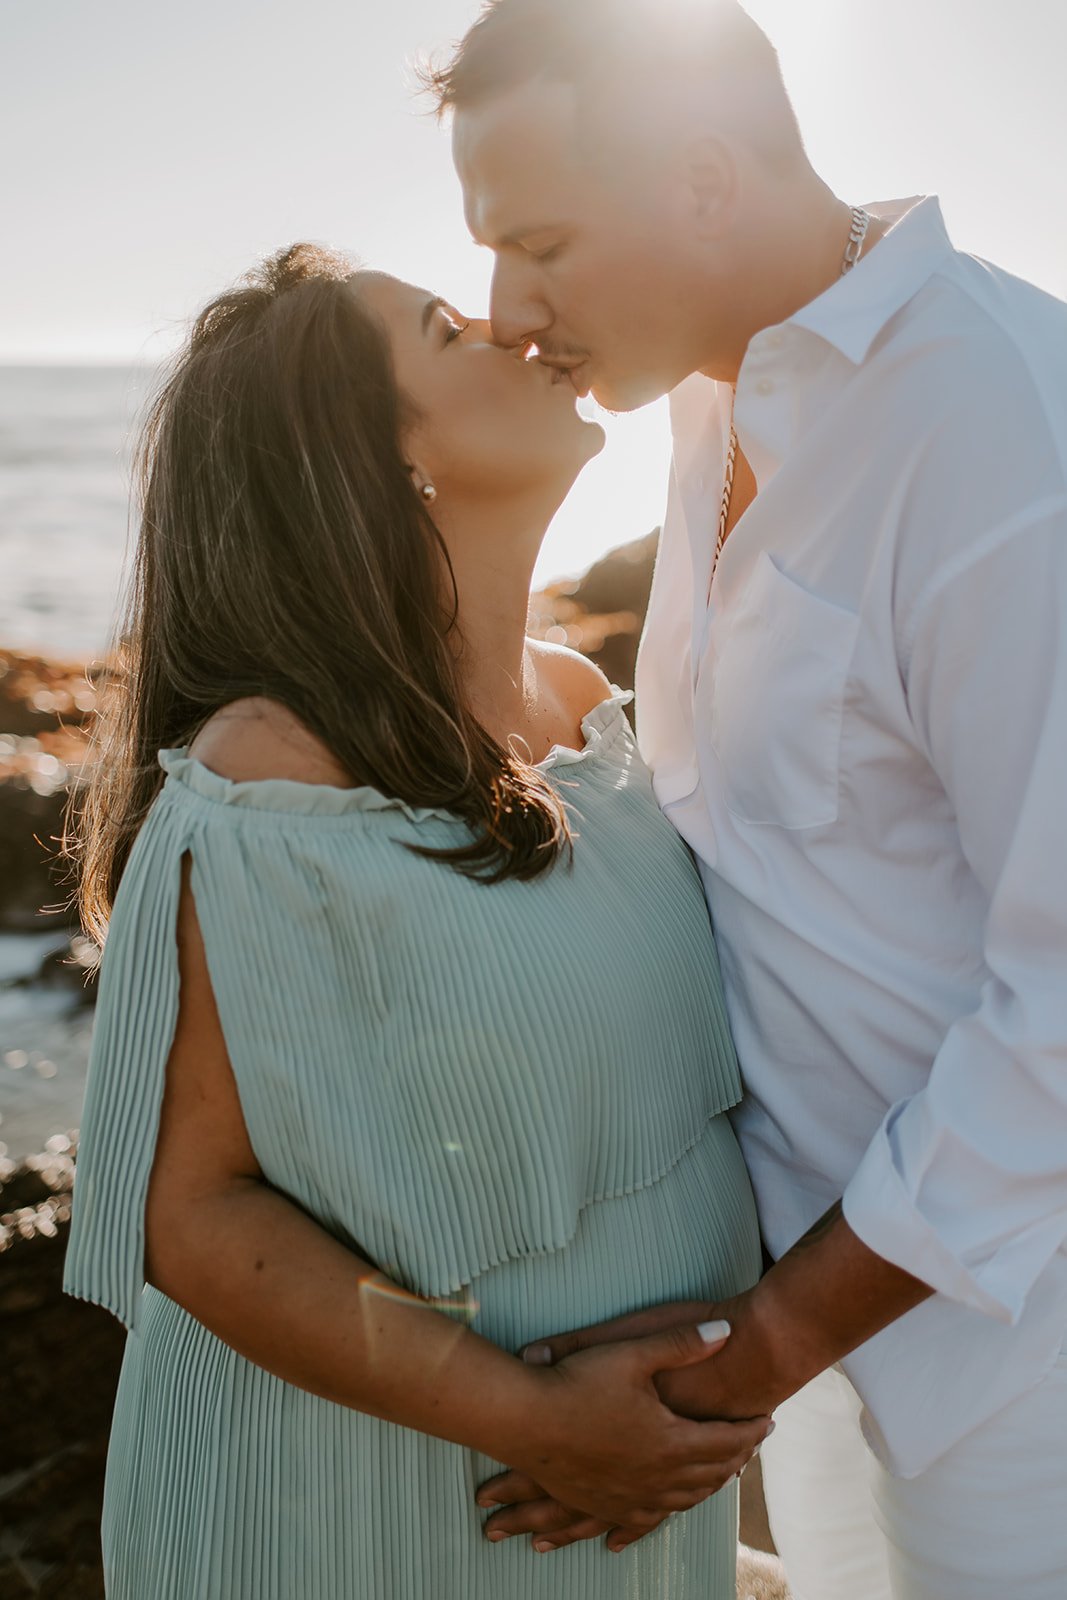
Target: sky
[[149, 154]]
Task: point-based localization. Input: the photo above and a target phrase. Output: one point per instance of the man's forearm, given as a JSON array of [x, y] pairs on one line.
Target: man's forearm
[[826, 1295]]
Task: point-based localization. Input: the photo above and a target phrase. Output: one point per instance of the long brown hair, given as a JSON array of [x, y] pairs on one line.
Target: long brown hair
[[284, 552]]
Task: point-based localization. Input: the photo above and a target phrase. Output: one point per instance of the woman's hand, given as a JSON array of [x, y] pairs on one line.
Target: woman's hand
[[605, 1445]]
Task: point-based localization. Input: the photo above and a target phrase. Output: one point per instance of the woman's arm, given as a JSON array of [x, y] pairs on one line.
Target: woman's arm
[[268, 1280]]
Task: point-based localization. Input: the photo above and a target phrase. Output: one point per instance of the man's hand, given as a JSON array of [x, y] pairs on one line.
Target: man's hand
[[826, 1295], [634, 1325], [702, 1396]]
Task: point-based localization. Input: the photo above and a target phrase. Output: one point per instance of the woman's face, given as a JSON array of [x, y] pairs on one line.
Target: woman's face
[[492, 424]]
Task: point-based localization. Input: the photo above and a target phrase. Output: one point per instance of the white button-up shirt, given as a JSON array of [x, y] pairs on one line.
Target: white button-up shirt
[[863, 738]]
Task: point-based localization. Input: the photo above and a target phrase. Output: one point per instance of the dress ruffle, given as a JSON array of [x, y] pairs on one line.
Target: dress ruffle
[[603, 727]]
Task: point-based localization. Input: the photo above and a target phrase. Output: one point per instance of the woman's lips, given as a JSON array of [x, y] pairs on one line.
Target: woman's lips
[[581, 387], [569, 375]]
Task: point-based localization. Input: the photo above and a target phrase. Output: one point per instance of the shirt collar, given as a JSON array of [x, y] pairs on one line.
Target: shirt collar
[[852, 312]]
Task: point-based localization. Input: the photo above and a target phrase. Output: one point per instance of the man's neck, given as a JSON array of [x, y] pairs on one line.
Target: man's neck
[[810, 233]]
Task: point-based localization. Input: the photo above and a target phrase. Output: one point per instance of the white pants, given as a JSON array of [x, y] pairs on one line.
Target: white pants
[[988, 1521]]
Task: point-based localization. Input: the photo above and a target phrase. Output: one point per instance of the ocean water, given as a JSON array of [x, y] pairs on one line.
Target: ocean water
[[66, 436], [65, 448], [45, 1038]]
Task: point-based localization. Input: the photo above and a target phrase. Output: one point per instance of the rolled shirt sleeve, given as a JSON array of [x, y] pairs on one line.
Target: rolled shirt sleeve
[[965, 1182]]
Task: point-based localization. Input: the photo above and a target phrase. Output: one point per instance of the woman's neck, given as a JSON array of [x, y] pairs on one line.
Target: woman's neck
[[493, 558]]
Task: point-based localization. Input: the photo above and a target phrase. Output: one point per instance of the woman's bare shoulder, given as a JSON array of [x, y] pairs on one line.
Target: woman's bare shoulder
[[578, 682], [257, 737]]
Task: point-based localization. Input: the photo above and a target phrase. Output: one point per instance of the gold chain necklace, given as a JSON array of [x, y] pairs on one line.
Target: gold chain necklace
[[861, 221]]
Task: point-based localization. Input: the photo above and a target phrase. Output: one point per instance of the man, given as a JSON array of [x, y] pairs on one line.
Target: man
[[852, 693]]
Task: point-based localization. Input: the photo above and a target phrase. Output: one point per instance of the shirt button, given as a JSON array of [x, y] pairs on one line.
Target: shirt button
[[765, 386]]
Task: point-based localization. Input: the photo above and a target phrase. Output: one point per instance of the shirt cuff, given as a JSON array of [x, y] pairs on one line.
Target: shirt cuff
[[880, 1211]]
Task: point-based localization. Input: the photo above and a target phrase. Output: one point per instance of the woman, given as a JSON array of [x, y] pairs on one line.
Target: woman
[[410, 1042]]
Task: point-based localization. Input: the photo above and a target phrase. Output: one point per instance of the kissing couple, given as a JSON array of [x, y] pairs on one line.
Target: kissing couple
[[497, 1124]]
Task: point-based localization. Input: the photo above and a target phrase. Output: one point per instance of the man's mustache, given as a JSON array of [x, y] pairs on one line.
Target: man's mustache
[[558, 355]]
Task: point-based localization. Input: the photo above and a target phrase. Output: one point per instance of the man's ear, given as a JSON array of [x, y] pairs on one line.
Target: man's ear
[[709, 172]]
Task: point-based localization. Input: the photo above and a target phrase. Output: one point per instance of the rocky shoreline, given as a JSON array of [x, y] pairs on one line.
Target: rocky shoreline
[[59, 1360], [59, 1356]]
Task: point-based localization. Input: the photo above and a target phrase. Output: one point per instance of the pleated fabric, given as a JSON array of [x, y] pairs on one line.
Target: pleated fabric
[[512, 1097]]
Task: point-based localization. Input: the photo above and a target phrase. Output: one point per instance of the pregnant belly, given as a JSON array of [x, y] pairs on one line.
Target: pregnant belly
[[692, 1233]]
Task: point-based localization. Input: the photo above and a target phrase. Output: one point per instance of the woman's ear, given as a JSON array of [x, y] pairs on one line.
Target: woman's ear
[[422, 483]]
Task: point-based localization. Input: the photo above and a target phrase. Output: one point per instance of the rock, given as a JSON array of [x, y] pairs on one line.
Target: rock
[[760, 1576], [29, 825], [14, 1584], [37, 695], [16, 1297], [621, 580], [72, 1582], [59, 1367], [45, 715], [603, 612]]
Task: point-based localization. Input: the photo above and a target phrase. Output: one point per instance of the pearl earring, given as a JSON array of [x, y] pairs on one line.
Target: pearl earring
[[429, 493]]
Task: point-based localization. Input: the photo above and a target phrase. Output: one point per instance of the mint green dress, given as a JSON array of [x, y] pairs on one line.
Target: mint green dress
[[511, 1096]]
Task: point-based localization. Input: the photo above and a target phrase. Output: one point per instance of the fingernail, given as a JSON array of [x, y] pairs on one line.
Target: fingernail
[[537, 1355], [771, 1429], [489, 1505], [496, 1533], [712, 1332], [542, 1545]]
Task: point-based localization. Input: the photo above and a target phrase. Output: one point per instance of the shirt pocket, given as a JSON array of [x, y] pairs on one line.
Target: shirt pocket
[[773, 692]]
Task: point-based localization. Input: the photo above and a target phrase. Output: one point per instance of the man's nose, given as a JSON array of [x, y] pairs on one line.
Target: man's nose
[[516, 315], [482, 328]]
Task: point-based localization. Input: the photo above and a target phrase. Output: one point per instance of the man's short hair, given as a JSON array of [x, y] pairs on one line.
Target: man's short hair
[[514, 42]]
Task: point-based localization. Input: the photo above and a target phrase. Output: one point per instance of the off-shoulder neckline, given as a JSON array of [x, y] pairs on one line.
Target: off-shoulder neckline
[[602, 726]]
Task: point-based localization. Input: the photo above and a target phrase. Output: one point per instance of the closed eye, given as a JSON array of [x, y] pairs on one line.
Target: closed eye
[[454, 331], [547, 255]]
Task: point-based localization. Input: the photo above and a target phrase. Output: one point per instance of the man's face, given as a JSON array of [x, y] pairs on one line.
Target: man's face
[[591, 254]]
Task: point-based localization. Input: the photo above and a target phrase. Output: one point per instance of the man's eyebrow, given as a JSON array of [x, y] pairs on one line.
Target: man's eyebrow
[[436, 304], [517, 235]]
